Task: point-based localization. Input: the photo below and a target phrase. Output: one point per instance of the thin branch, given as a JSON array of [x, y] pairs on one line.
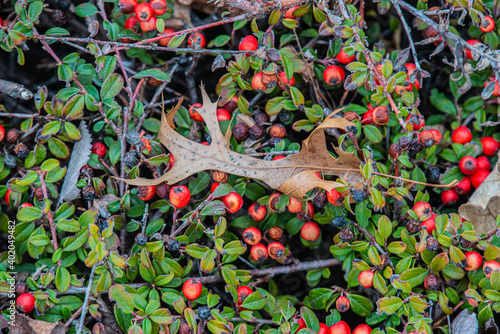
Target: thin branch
[[15, 90], [408, 34], [86, 300]]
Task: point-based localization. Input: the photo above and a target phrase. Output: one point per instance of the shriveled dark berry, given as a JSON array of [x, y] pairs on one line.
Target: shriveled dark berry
[[141, 239], [58, 17], [358, 195], [394, 151], [412, 226], [130, 159], [404, 143], [204, 313], [10, 161], [21, 288], [133, 138], [162, 190], [339, 221], [86, 171], [261, 118], [351, 130], [173, 244], [432, 244], [21, 150], [240, 131], [39, 193], [220, 177], [346, 234], [320, 200], [432, 282], [88, 193], [102, 224], [434, 172], [257, 131], [284, 116], [12, 136], [64, 5], [466, 243]]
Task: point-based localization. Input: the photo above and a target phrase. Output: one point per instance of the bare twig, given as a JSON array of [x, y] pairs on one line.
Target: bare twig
[[86, 300], [15, 90]]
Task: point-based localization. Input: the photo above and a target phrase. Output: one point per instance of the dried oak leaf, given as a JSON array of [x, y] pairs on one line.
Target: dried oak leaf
[[26, 325], [293, 175], [483, 206]]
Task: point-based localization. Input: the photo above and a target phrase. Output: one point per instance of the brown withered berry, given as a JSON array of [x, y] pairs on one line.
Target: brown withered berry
[[21, 288], [257, 131], [276, 250], [21, 150], [346, 234], [273, 200], [277, 131], [220, 177], [12, 136], [351, 116], [320, 200], [58, 17], [394, 151], [154, 82], [130, 159], [141, 239], [432, 282], [380, 115], [39, 193], [261, 118], [432, 244], [426, 138], [240, 131], [88, 193], [413, 226], [269, 79], [162, 190], [275, 232], [86, 171], [466, 243]]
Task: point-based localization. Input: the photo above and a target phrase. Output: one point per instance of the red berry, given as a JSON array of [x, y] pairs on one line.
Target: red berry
[[310, 231], [342, 304], [164, 41], [300, 322], [279, 157], [496, 90], [437, 136], [333, 75], [146, 193], [259, 252], [417, 121], [362, 329], [213, 187], [340, 327], [127, 6], [474, 261], [422, 208], [468, 165], [410, 68], [449, 197], [472, 42], [257, 214], [479, 177], [430, 223], [490, 266], [308, 214], [289, 12], [25, 205], [284, 79], [294, 206], [249, 43], [145, 145], [243, 292], [132, 23], [344, 58], [489, 24], [25, 302], [426, 138], [275, 250], [252, 236], [149, 25], [99, 149], [159, 7], [192, 289], [233, 202], [274, 198], [197, 38], [195, 115], [483, 163], [2, 130], [365, 278], [461, 135], [179, 196], [335, 197], [463, 187], [490, 146], [143, 11], [7, 197], [380, 115], [223, 115], [1, 22], [257, 83], [323, 329], [368, 117]]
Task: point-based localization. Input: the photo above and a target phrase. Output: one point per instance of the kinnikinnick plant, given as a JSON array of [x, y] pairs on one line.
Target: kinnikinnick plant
[[238, 166]]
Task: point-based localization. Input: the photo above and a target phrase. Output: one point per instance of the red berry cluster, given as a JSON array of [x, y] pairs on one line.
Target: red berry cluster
[[475, 170], [340, 327], [144, 14], [259, 252]]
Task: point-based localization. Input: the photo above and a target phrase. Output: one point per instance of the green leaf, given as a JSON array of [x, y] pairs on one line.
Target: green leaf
[[360, 304], [153, 72], [111, 86], [318, 298], [389, 305], [197, 185], [63, 279], [297, 97], [29, 214], [414, 276], [440, 262], [58, 148], [418, 304], [161, 316], [255, 301], [372, 133], [123, 299], [85, 9]]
